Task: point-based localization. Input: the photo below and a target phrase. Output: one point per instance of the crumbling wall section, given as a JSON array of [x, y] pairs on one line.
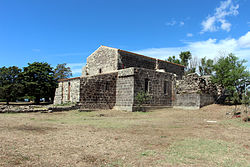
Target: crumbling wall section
[[195, 91], [193, 83], [98, 92]]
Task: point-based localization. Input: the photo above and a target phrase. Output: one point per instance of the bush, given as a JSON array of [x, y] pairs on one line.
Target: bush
[[141, 98]]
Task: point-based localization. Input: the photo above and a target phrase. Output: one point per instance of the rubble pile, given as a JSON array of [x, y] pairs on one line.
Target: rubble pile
[[36, 108]]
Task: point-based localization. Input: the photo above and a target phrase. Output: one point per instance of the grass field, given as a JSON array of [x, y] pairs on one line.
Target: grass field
[[165, 137]]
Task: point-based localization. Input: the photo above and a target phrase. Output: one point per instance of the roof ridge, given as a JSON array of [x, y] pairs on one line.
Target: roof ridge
[[143, 55]]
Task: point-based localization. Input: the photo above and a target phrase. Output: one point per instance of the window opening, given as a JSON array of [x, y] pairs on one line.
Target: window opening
[[165, 87], [146, 85], [68, 90]]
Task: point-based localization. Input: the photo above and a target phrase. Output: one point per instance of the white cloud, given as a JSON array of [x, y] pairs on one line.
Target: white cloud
[[77, 71], [76, 68], [174, 22], [218, 19], [244, 41], [189, 35], [225, 25], [72, 65], [208, 24], [211, 48]]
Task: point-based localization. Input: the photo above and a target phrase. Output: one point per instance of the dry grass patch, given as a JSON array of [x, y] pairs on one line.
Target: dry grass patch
[[165, 137]]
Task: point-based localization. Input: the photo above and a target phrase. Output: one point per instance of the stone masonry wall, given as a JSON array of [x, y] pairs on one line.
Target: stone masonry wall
[[206, 99], [172, 68], [160, 86], [128, 59], [103, 60], [125, 90], [193, 100], [68, 91], [189, 101], [98, 92]]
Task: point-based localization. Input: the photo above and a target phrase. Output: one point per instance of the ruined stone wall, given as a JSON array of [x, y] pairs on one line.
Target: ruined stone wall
[[68, 91], [156, 83], [103, 60], [58, 94], [125, 90], [195, 91], [172, 68], [99, 91], [193, 83]]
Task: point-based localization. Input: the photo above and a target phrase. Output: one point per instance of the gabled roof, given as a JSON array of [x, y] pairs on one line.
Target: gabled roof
[[136, 54]]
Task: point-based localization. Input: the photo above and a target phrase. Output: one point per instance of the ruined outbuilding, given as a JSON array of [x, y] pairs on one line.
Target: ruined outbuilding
[[113, 77]]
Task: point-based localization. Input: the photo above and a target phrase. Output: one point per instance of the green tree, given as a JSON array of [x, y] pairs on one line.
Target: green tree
[[185, 57], [62, 72], [206, 66], [39, 80], [10, 85], [231, 74], [173, 60]]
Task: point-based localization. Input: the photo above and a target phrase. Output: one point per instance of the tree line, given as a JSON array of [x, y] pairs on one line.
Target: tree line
[[228, 72], [37, 80]]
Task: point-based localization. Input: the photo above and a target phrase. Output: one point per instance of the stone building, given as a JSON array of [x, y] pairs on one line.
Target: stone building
[[113, 77]]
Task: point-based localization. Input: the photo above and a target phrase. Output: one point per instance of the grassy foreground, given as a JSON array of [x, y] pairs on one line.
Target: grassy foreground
[[166, 137]]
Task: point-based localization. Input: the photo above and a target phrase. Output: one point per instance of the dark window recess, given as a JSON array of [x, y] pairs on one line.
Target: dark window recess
[[100, 70], [146, 85], [68, 90], [165, 87], [107, 86]]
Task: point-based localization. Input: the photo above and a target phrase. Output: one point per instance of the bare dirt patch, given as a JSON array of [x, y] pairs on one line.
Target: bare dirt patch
[[165, 137]]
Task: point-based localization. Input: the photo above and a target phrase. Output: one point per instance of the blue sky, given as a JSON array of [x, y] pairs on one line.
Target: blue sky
[[68, 31]]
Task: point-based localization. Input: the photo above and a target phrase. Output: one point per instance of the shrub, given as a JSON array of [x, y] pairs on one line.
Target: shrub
[[141, 98]]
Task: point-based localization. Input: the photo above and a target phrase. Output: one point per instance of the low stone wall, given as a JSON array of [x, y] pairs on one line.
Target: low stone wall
[[36, 108], [193, 100], [206, 99], [98, 91], [189, 101], [22, 109]]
